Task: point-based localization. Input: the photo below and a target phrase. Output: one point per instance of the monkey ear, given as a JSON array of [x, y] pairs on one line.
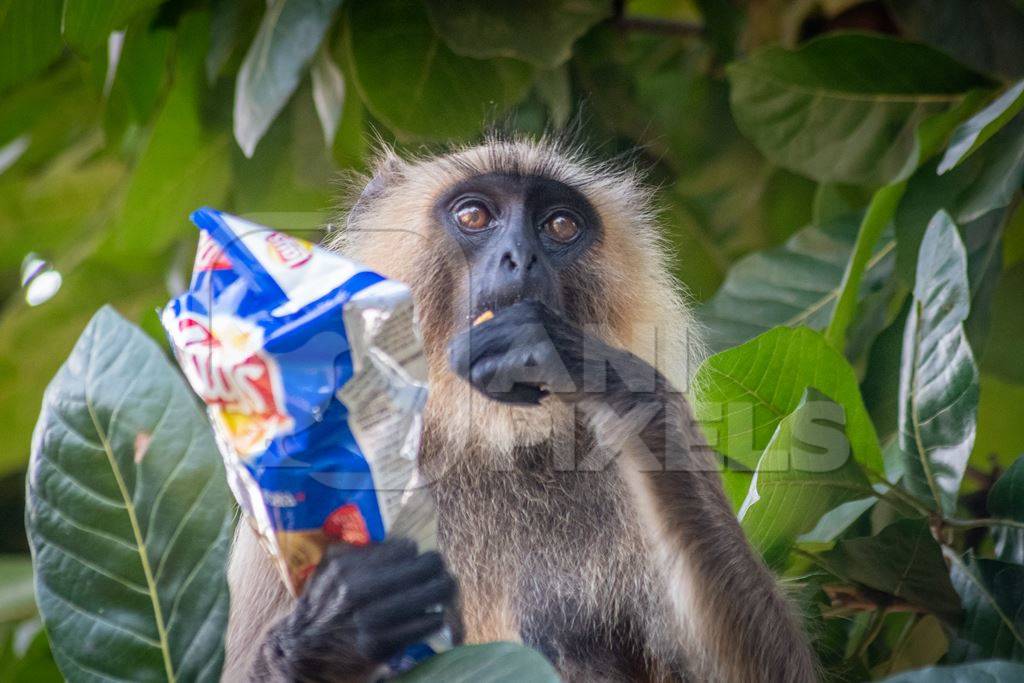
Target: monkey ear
[[387, 169]]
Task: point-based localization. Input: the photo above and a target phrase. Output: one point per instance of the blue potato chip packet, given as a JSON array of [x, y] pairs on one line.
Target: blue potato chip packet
[[312, 371]]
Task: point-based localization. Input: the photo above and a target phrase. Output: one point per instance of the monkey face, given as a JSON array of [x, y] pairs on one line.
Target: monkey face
[[522, 238], [509, 220]]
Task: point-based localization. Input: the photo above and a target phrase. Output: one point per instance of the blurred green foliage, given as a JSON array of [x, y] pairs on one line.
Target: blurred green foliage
[[802, 150]]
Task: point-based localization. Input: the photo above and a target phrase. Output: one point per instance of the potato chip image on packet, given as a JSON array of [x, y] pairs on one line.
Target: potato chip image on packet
[[312, 370]]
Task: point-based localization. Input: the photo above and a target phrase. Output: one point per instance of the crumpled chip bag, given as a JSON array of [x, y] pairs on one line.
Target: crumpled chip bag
[[312, 370]]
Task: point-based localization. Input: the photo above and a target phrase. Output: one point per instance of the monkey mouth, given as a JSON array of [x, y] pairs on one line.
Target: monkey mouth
[[493, 305]]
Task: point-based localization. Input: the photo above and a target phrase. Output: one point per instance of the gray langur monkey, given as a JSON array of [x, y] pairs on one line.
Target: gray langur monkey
[[580, 509]]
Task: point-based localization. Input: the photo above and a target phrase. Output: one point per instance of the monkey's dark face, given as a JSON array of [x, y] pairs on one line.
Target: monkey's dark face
[[522, 237]]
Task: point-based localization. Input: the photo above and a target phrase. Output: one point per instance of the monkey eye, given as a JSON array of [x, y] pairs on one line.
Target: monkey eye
[[472, 215], [561, 227]]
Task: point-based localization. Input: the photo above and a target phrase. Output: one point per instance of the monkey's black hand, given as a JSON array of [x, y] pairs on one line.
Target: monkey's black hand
[[361, 607], [527, 351]]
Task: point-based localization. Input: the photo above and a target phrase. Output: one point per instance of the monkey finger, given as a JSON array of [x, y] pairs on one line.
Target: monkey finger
[[408, 604], [384, 645], [380, 582], [342, 564]]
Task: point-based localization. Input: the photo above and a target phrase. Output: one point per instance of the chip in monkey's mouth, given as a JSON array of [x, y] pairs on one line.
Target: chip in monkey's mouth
[[483, 317]]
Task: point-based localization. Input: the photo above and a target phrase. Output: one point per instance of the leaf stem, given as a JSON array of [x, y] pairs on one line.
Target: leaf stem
[[140, 542], [905, 497], [880, 212], [872, 631]]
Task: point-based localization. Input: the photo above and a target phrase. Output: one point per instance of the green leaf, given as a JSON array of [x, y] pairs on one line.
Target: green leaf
[[229, 23], [993, 624], [837, 520], [987, 35], [142, 70], [836, 200], [29, 38], [880, 211], [487, 663], [880, 383], [902, 560], [859, 109], [938, 390], [805, 471], [797, 283], [746, 391], [925, 644], [973, 133], [182, 166], [1006, 501], [287, 39], [87, 23], [17, 600], [992, 671], [417, 86], [987, 180], [540, 32], [328, 94], [129, 515]]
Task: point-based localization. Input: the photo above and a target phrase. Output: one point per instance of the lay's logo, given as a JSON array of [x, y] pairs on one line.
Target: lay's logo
[[239, 382], [289, 251]]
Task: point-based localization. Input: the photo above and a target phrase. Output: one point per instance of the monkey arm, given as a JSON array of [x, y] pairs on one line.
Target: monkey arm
[[362, 606], [739, 625], [735, 622]]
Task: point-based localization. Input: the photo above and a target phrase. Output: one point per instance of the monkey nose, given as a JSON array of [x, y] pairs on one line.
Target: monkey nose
[[513, 261]]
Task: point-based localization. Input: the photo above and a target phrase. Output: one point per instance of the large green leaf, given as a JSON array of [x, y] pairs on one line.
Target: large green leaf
[[412, 82], [87, 23], [129, 515], [992, 671], [487, 663], [29, 38], [746, 391], [806, 470], [992, 593], [182, 166], [971, 134], [797, 283], [903, 560], [1006, 501], [287, 39], [938, 390], [851, 108], [537, 31]]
